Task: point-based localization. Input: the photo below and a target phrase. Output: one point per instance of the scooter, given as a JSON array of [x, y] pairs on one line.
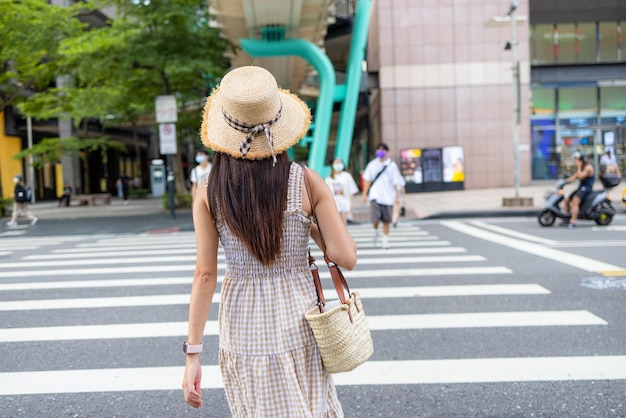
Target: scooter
[[596, 207]]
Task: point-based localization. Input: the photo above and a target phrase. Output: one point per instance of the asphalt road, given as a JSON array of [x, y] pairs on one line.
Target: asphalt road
[[491, 317]]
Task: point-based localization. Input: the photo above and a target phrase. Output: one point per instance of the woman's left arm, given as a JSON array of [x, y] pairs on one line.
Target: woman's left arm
[[340, 246], [202, 290]]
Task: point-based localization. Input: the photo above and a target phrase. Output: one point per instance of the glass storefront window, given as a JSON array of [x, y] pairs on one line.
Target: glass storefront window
[[567, 43], [577, 102], [544, 101], [582, 42], [586, 42], [613, 100], [608, 42], [542, 44], [613, 113], [545, 161], [544, 147]]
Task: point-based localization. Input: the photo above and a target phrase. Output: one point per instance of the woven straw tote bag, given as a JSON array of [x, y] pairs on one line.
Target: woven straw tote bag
[[340, 328]]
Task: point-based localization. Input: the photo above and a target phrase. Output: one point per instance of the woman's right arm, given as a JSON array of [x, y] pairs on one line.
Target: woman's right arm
[[202, 290]]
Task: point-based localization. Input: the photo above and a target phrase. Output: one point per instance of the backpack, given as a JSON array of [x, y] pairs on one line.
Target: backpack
[[23, 194]]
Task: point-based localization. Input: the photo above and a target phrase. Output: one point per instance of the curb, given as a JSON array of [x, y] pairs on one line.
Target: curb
[[363, 217], [485, 214]]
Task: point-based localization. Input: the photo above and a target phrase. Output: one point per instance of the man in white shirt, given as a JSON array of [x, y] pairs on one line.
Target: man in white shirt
[[608, 162], [382, 183], [202, 169]]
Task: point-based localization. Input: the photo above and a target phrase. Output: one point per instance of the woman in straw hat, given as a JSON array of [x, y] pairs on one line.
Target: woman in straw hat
[[259, 210]]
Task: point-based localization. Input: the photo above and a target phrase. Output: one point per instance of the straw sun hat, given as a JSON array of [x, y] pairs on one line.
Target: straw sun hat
[[248, 116]]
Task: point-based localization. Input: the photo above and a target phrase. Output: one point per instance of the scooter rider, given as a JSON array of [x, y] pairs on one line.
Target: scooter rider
[[584, 173]]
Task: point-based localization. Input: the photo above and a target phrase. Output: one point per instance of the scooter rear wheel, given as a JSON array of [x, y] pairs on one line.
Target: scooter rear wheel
[[605, 217], [546, 218]]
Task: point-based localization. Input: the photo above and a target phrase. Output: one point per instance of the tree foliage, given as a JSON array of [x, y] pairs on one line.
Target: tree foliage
[[30, 34], [49, 150], [150, 48]]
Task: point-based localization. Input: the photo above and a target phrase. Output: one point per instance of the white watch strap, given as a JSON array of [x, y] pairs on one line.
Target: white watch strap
[[192, 348]]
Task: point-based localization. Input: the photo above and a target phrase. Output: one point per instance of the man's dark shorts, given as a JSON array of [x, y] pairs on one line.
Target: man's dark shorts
[[582, 193], [379, 213]]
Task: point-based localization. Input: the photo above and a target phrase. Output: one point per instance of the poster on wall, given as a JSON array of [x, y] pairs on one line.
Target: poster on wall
[[433, 169], [431, 159], [453, 165], [411, 165]]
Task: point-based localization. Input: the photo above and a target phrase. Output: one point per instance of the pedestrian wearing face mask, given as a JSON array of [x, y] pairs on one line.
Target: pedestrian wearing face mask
[[343, 187], [382, 184], [202, 169]]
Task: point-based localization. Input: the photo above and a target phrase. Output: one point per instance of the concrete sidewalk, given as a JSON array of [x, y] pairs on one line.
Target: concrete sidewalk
[[427, 205]]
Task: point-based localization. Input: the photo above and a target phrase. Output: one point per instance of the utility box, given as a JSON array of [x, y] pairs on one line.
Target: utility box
[[157, 177]]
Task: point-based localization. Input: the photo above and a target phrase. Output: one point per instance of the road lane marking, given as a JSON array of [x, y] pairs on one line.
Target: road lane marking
[[376, 323], [319, 256], [406, 372], [122, 247], [87, 259], [484, 320], [412, 248], [525, 369], [468, 290], [183, 299], [189, 268], [514, 234], [589, 244], [573, 260], [614, 273], [188, 238], [618, 228], [86, 284]]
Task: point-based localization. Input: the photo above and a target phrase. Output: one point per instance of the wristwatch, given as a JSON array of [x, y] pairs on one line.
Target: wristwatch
[[191, 348]]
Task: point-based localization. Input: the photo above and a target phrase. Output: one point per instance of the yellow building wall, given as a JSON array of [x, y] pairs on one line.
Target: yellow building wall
[[9, 146]]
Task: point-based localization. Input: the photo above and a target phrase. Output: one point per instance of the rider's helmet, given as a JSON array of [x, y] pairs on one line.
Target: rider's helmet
[[579, 155]]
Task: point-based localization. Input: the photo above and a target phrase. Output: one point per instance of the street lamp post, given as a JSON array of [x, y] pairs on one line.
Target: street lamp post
[[31, 169], [511, 45], [516, 94]]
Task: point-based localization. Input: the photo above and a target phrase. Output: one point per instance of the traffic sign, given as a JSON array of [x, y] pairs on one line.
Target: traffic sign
[[166, 110], [167, 138]]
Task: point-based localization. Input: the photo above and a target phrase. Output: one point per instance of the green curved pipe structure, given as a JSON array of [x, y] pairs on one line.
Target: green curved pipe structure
[[354, 72], [324, 106], [274, 44]]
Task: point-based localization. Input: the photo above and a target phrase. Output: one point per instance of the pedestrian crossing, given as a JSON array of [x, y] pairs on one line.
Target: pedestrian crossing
[[100, 291]]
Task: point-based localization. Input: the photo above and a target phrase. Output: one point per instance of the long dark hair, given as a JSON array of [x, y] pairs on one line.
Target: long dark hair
[[251, 196]]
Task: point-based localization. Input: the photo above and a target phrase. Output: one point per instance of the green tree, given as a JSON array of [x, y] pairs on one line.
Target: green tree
[[151, 48], [30, 33]]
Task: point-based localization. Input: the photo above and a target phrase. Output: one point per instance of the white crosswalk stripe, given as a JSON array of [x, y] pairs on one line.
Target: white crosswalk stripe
[[376, 323], [91, 275], [492, 370]]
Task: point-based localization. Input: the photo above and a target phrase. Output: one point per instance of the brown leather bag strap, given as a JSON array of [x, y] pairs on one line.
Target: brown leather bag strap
[[341, 286], [321, 301]]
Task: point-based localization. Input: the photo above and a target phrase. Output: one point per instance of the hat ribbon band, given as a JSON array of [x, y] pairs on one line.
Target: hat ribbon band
[[252, 130]]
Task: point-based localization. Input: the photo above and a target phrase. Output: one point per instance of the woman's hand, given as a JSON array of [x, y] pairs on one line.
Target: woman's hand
[[191, 381]]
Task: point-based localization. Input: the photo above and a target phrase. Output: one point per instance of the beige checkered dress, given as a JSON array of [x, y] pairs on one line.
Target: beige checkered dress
[[270, 363]]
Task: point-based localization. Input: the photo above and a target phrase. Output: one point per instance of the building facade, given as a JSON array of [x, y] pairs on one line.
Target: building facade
[[446, 80]]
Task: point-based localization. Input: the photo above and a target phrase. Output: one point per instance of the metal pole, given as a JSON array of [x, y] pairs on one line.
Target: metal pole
[[170, 184], [516, 102], [31, 170]]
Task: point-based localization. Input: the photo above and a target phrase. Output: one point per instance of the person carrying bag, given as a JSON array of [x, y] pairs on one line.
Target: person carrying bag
[[259, 212]]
